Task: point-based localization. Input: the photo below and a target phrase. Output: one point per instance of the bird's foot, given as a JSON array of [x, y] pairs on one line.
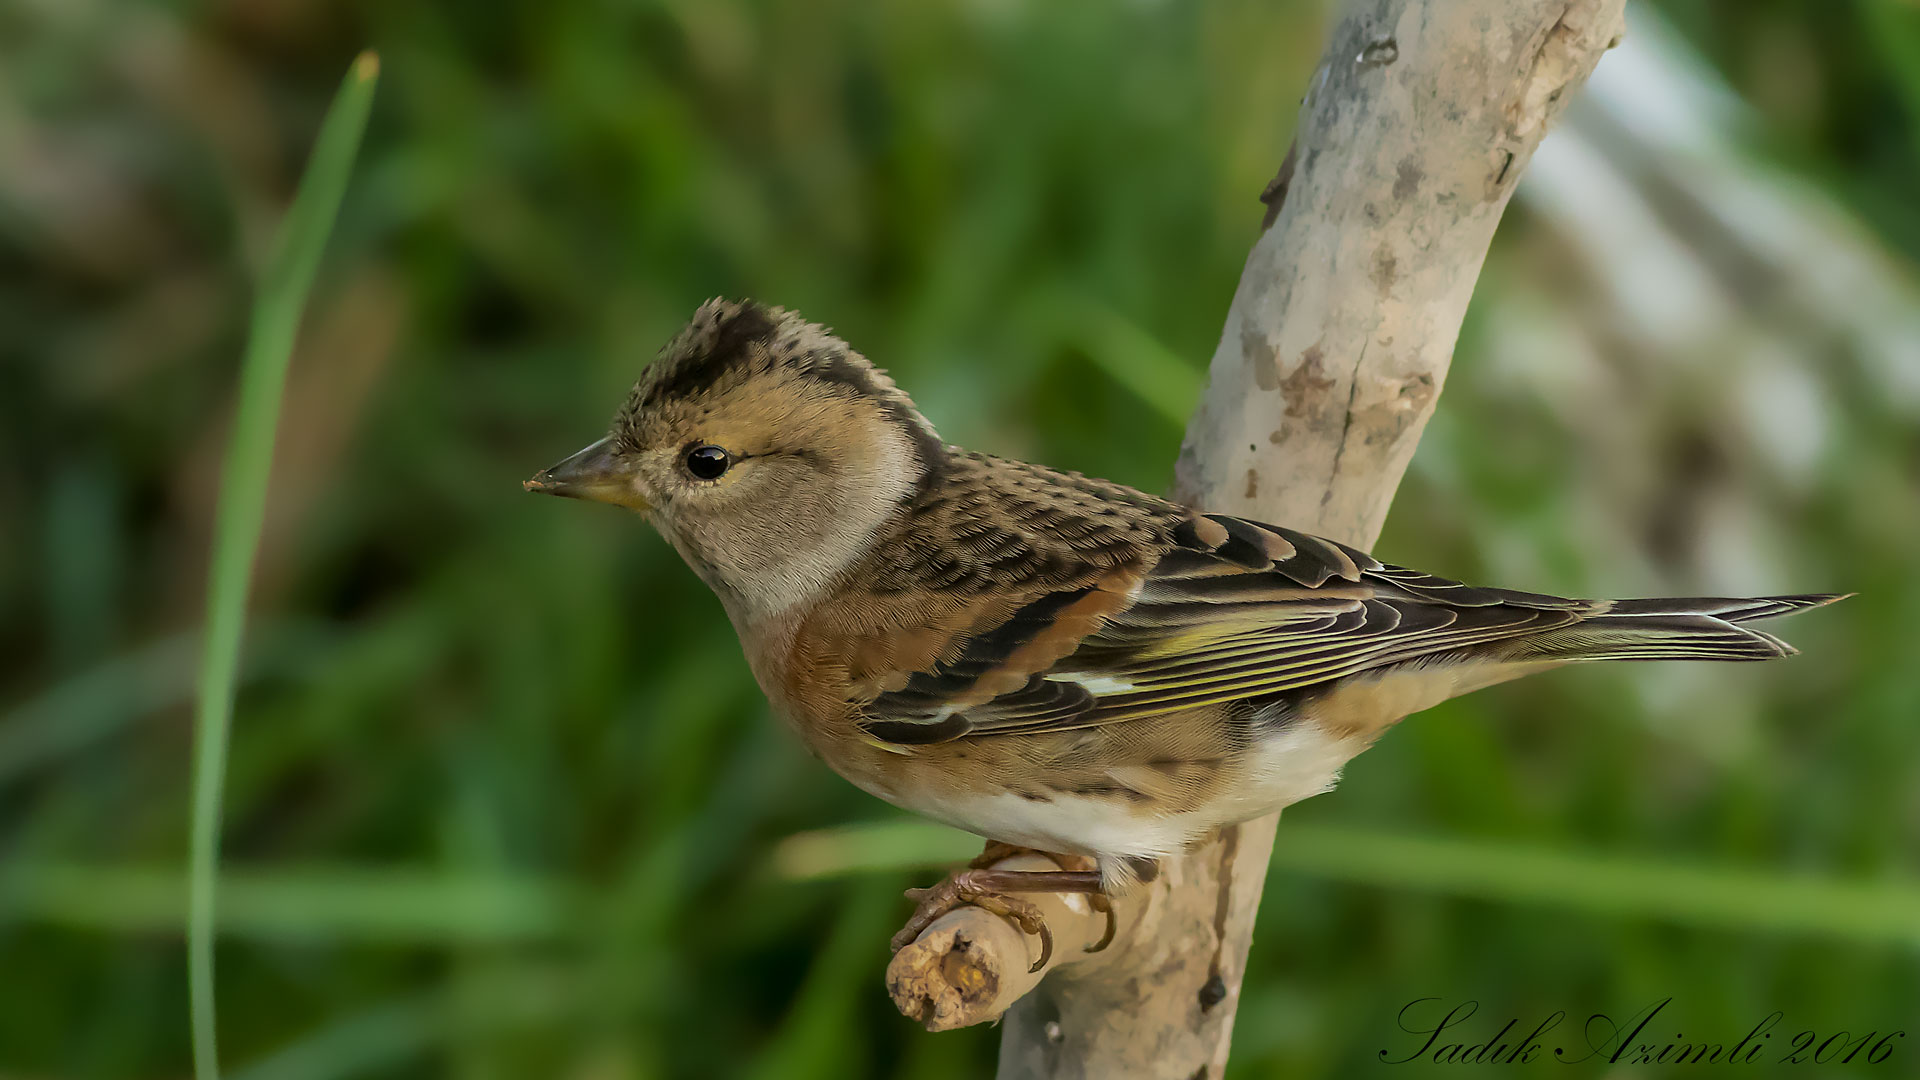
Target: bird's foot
[[992, 890], [961, 888]]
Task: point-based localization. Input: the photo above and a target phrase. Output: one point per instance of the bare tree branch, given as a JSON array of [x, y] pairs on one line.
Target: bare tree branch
[[1417, 124]]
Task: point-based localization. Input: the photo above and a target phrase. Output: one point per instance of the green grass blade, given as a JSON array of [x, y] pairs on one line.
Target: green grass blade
[[1726, 897], [243, 491], [1136, 360], [396, 905], [898, 844], [92, 706]]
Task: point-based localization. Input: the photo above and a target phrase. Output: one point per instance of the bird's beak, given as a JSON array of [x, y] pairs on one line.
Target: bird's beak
[[595, 473]]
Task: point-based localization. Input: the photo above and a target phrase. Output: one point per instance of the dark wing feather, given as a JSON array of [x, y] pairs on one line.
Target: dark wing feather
[[1233, 610]]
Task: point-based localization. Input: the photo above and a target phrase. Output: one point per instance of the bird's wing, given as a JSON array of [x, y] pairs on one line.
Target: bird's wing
[[1235, 610]]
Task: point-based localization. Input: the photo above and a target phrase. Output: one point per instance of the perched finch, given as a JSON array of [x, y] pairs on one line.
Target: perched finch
[[1043, 659]]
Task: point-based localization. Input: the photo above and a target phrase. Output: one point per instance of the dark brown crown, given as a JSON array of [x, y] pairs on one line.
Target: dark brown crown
[[728, 342]]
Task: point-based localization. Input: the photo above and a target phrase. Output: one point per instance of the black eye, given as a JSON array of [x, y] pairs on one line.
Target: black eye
[[708, 462]]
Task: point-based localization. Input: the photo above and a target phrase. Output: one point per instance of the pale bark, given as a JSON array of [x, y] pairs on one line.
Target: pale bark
[[1415, 128]]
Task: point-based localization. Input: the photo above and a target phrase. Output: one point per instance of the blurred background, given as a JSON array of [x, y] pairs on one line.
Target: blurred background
[[504, 800]]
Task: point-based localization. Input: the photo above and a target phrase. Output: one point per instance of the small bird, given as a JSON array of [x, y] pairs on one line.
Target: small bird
[[1046, 660]]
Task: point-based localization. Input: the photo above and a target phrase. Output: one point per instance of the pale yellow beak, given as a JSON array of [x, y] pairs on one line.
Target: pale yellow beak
[[595, 473]]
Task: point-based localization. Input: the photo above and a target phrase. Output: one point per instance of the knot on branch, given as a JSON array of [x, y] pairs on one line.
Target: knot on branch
[[946, 979]]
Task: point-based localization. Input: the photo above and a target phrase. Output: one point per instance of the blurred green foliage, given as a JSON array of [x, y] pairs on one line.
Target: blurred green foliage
[[503, 799]]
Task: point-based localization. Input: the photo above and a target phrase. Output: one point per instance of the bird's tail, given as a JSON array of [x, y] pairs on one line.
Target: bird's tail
[[1672, 628]]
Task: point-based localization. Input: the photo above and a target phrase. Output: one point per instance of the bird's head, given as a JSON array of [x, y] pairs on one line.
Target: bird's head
[[765, 449]]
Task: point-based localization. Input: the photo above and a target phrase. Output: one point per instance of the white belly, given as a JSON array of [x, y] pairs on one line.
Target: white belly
[[1299, 762], [1070, 824], [1302, 761]]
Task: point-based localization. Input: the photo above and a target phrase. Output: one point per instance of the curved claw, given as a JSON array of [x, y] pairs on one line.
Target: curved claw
[[1023, 915], [1046, 948], [1106, 939]]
